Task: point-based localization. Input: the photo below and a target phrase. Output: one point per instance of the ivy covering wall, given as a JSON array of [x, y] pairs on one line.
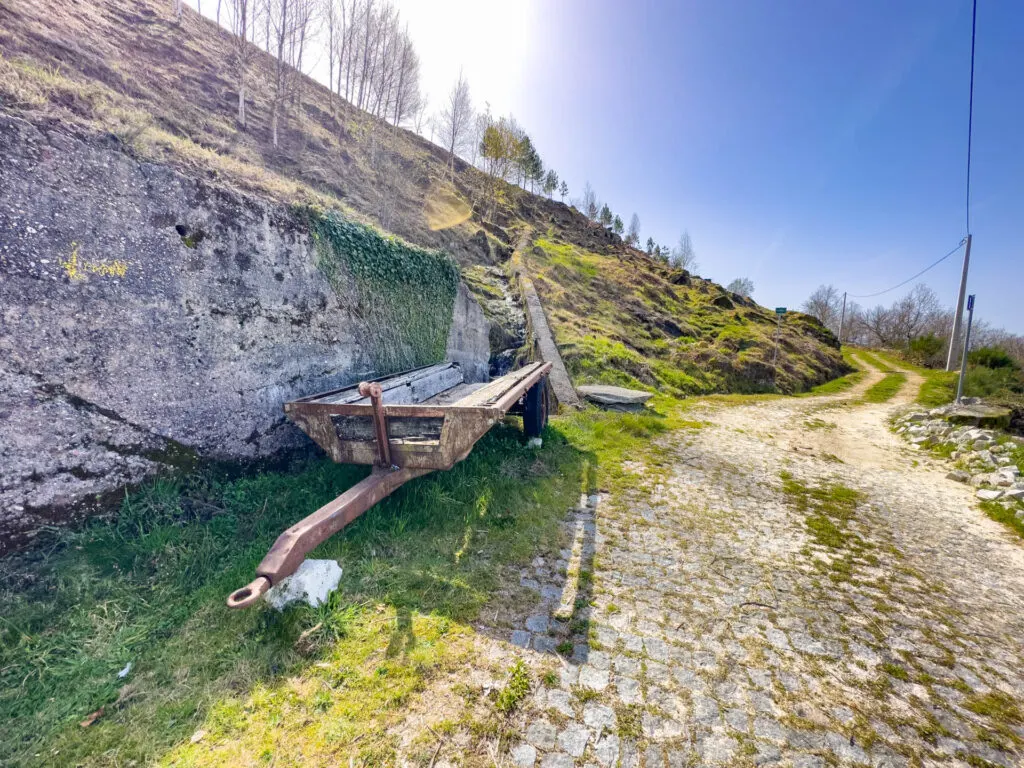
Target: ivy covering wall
[[406, 294]]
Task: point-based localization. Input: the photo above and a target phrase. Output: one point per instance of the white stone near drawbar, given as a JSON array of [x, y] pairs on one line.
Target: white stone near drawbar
[[312, 583]]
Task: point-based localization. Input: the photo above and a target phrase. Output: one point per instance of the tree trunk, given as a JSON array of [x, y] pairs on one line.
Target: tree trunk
[[273, 123], [241, 102]]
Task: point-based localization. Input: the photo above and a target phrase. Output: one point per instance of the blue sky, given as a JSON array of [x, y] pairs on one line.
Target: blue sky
[[800, 143]]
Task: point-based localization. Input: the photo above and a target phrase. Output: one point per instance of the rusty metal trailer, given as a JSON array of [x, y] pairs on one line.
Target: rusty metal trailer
[[404, 425]]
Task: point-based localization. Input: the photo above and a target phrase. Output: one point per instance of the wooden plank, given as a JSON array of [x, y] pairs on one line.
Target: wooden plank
[[408, 388], [360, 428], [494, 391]]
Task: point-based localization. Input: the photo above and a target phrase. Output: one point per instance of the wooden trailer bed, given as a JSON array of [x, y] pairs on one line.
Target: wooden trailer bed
[[405, 425]]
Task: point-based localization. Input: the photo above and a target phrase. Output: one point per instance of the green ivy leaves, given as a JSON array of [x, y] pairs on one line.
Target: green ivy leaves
[[406, 293]]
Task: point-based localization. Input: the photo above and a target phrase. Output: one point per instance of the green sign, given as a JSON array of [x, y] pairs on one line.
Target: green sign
[[780, 310]]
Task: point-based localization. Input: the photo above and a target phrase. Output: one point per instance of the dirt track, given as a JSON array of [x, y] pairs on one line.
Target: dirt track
[[725, 632]]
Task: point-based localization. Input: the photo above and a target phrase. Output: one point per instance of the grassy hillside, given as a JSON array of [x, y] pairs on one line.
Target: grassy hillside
[[649, 325], [124, 71]]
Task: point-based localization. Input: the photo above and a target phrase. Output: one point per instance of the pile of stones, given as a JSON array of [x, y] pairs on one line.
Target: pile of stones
[[981, 455]]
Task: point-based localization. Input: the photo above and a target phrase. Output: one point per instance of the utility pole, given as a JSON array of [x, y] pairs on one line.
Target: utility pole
[[842, 320], [959, 316], [967, 343]]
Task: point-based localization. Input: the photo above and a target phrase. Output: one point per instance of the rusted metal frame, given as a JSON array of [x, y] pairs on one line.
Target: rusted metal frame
[[372, 390], [294, 544]]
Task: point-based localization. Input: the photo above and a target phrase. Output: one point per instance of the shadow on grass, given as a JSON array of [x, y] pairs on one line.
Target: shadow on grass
[[149, 589]]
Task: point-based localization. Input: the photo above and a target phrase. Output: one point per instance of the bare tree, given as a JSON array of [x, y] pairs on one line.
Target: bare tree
[[242, 51], [633, 233], [289, 22], [456, 119], [825, 304], [744, 286], [329, 12], [177, 10], [420, 115], [683, 256], [588, 203], [378, 69], [915, 314]]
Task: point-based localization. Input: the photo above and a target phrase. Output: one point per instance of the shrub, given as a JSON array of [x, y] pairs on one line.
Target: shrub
[[992, 357], [928, 350]]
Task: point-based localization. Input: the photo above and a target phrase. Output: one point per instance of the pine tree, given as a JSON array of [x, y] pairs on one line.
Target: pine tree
[[563, 190], [617, 226], [605, 217], [550, 183]]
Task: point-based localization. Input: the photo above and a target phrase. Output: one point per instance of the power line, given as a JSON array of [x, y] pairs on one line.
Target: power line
[[970, 113], [900, 285]]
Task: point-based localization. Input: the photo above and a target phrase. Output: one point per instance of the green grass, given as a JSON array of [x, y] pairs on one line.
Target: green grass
[[938, 387], [1005, 515], [837, 386], [886, 389], [516, 689], [149, 589], [327, 683]]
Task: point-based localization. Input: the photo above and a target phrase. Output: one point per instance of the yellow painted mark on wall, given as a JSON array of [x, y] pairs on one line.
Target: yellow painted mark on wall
[[77, 269]]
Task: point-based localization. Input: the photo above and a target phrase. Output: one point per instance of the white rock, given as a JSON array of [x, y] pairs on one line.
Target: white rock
[[534, 442], [988, 494], [312, 582]]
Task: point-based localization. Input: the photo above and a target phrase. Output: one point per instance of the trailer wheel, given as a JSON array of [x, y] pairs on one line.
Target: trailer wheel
[[535, 410]]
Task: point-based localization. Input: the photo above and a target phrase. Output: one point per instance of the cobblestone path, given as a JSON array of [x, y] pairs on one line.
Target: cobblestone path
[[800, 589]]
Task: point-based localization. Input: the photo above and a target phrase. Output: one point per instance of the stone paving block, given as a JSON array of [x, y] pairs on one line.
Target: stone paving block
[[599, 716], [597, 679], [606, 750], [537, 623], [808, 761], [568, 675], [705, 709], [560, 701], [523, 756], [769, 729], [626, 665], [544, 644], [738, 720], [541, 734], [520, 638], [556, 760], [717, 749], [573, 739], [628, 690]]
